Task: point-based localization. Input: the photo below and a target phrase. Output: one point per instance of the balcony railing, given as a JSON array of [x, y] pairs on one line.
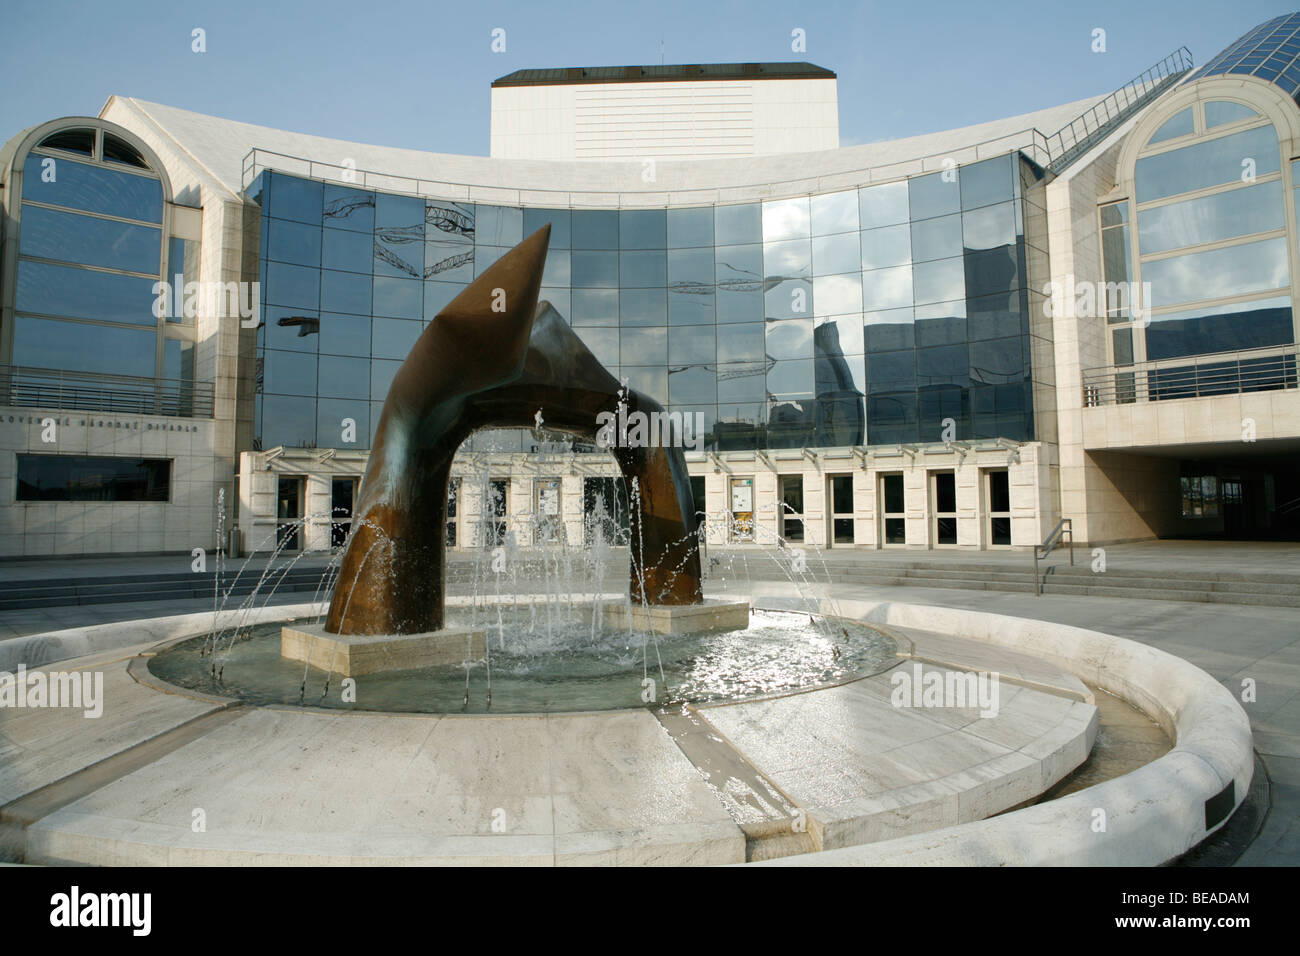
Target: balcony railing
[[25, 387], [1224, 373]]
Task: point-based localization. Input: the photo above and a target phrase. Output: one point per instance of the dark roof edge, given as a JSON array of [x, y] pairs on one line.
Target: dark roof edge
[[572, 76]]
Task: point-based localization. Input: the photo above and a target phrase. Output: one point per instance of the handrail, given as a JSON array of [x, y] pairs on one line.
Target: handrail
[[27, 387], [1194, 376], [1063, 527], [1096, 123]]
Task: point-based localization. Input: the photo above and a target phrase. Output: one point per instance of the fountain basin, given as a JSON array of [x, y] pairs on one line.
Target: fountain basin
[[353, 655], [714, 614]]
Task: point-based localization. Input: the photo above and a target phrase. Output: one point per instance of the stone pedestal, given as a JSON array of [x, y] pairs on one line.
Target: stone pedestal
[[352, 655], [713, 615]]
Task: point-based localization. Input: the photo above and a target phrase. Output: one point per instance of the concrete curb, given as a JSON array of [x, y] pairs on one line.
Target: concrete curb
[[1150, 816]]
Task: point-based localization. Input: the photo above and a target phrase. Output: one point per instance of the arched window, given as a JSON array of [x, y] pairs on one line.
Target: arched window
[[92, 228], [1200, 251]]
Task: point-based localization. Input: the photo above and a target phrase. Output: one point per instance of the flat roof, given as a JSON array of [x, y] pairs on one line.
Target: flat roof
[[573, 75]]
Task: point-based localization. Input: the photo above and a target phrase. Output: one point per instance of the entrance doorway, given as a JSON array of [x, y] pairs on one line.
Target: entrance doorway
[[839, 493], [288, 513]]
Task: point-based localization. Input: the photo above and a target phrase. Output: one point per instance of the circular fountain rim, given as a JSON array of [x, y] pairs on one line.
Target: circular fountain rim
[[140, 671]]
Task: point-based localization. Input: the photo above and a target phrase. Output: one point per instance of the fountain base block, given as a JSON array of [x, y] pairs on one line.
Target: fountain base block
[[713, 615], [352, 655]]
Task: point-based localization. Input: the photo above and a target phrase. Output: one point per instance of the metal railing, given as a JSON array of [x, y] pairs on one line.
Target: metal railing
[[1198, 376], [1085, 131], [25, 387], [1063, 527]]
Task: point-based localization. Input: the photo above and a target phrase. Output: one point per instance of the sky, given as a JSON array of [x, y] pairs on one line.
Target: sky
[[418, 74]]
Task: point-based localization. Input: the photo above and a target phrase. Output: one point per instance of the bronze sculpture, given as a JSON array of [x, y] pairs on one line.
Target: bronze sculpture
[[492, 358]]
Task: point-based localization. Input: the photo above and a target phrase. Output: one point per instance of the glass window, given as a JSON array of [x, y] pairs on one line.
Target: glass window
[[888, 330], [644, 347], [690, 228], [640, 270], [834, 213], [381, 378], [298, 199], [345, 334], [294, 242], [485, 256], [989, 227], [836, 254], [595, 229], [691, 268], [786, 219], [87, 478], [788, 299], [288, 373], [595, 307], [557, 271], [986, 182], [448, 261], [288, 420], [743, 342], [937, 194], [298, 286], [891, 371], [437, 296], [793, 379], [70, 237], [734, 225], [118, 150], [399, 298], [789, 338], [941, 323], [649, 381], [499, 226], [1250, 267], [887, 247], [885, 205], [691, 303], [346, 376], [741, 382], [1227, 215], [642, 307], [294, 330], [693, 345], [693, 384], [1222, 112], [393, 339], [81, 347], [84, 294], [839, 335], [1210, 163], [837, 295], [560, 220], [994, 316], [1180, 124], [342, 292], [71, 140], [887, 289], [603, 343], [938, 238], [595, 270], [642, 229], [997, 361], [1223, 328], [788, 259], [346, 250], [939, 281], [400, 252], [330, 415], [91, 188], [350, 209], [398, 212]]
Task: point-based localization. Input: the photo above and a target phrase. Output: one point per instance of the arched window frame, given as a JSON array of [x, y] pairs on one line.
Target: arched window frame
[[1274, 108], [13, 202]]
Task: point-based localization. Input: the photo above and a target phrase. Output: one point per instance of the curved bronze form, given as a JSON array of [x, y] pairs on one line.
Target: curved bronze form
[[476, 367]]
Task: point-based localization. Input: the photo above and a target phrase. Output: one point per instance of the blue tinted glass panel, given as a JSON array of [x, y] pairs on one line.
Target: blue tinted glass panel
[[1210, 163], [1228, 215], [885, 205], [640, 270], [834, 213], [693, 384], [889, 330], [595, 270], [692, 345], [288, 421], [298, 199], [643, 229], [743, 342], [344, 292], [347, 251], [887, 246], [448, 261], [289, 373], [690, 228], [937, 194], [560, 221], [398, 212], [331, 413], [78, 347], [82, 294], [644, 347], [887, 289], [499, 226], [400, 298], [1229, 328], [595, 307], [986, 182], [1222, 112], [350, 209], [1251, 267], [345, 377], [832, 255], [293, 330], [595, 229], [786, 219], [294, 242], [344, 334], [642, 307], [69, 237], [296, 286], [737, 225], [92, 188], [1180, 124]]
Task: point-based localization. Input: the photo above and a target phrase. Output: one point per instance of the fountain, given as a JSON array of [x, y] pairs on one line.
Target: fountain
[[495, 357]]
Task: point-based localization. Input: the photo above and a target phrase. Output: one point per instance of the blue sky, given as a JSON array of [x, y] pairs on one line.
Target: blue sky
[[417, 74]]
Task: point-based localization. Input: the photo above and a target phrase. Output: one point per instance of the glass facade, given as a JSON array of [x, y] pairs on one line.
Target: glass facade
[[863, 316], [1271, 52]]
